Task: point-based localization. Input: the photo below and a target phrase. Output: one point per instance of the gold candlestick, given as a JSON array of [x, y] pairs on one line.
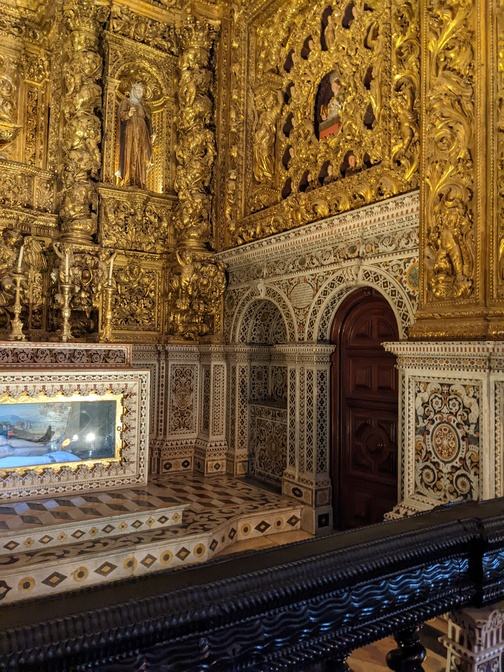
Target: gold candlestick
[[16, 324], [66, 311], [106, 334]]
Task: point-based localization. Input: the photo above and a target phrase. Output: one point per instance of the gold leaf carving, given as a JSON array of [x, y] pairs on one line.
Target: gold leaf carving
[[449, 142], [499, 74], [82, 128], [195, 151], [135, 221], [135, 304], [143, 29], [195, 288], [358, 60]]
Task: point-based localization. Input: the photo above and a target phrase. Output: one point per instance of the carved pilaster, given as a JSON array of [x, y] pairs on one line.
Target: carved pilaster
[[237, 410], [307, 471], [81, 133], [211, 447], [177, 398], [457, 155]]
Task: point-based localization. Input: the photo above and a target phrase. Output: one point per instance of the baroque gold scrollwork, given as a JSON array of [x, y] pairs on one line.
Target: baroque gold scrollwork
[[405, 101], [196, 282], [195, 288], [136, 222], [449, 139], [82, 128], [195, 150], [9, 88], [10, 245], [31, 265], [35, 259], [154, 33], [499, 70], [331, 80], [451, 250], [135, 305]]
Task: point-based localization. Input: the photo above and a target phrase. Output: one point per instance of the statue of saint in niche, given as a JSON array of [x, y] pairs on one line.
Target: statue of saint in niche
[[135, 141], [330, 105]]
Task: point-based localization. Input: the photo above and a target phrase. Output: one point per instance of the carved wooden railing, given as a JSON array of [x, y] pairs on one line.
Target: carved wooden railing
[[303, 607]]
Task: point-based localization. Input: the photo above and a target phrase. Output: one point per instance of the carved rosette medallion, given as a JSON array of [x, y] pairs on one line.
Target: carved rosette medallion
[[447, 451], [445, 441]]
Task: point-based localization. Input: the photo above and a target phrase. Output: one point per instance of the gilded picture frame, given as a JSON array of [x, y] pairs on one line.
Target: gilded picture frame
[[72, 431]]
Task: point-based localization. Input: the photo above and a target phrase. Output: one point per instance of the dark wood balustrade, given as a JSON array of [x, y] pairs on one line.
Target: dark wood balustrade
[[303, 607]]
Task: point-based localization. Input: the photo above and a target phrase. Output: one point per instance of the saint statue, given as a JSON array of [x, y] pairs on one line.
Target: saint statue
[[136, 138]]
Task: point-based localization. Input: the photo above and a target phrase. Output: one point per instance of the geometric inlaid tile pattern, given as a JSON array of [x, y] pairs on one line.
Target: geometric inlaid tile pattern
[[94, 541], [95, 528]]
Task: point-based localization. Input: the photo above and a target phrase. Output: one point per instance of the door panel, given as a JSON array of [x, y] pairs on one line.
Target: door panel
[[364, 411]]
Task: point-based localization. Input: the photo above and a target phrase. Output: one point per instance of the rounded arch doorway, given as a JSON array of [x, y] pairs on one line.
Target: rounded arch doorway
[[364, 410]]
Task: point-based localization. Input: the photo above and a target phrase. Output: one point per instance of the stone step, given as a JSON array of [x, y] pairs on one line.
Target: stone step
[[42, 572], [74, 531]]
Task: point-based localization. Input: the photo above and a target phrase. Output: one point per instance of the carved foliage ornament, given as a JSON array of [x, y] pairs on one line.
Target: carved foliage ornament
[[450, 145], [500, 141], [82, 128], [141, 223], [333, 119], [135, 303], [195, 289], [31, 264], [195, 150], [142, 29]]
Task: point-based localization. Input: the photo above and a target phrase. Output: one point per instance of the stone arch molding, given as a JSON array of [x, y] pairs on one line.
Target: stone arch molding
[[345, 281], [247, 309]]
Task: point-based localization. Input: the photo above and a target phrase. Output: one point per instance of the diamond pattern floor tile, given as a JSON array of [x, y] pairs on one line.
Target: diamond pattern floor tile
[[109, 546]]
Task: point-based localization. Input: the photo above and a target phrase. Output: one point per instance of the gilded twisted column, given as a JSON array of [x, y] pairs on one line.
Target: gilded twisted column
[[81, 132], [196, 281], [195, 150], [458, 247]]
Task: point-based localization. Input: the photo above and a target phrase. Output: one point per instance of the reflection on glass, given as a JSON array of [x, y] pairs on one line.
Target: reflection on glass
[[53, 432]]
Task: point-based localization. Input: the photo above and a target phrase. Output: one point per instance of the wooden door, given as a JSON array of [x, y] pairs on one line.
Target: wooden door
[[364, 412]]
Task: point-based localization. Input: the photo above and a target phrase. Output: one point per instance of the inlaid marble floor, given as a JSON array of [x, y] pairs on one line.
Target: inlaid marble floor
[[162, 491], [66, 543]]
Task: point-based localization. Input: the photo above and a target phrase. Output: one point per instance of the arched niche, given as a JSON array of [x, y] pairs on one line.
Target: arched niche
[[267, 407], [155, 71]]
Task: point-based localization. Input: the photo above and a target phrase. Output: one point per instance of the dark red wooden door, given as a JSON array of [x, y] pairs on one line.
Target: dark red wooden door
[[364, 411]]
